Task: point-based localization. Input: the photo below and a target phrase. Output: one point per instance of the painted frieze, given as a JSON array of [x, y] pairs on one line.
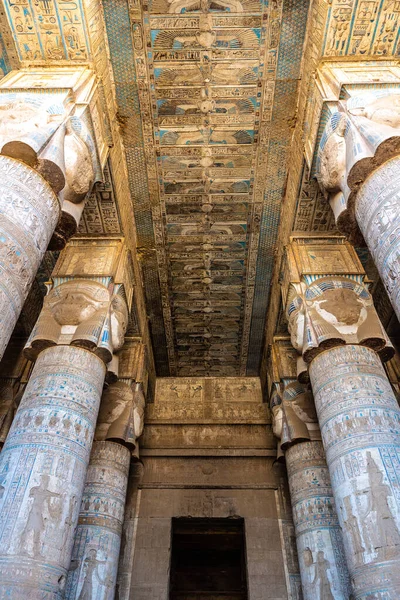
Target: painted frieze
[[362, 29]]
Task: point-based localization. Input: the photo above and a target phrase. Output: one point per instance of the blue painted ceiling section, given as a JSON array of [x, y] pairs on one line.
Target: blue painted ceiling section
[[206, 93]]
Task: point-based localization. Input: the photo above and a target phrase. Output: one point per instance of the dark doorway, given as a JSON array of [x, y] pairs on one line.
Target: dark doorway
[[208, 560]]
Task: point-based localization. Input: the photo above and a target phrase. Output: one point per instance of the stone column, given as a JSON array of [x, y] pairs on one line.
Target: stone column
[[29, 213], [128, 541], [335, 328], [15, 371], [360, 425], [95, 557], [45, 457], [48, 164], [358, 167], [94, 565], [377, 211], [42, 469], [323, 570]]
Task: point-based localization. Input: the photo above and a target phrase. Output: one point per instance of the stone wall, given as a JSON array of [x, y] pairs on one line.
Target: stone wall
[[208, 451]]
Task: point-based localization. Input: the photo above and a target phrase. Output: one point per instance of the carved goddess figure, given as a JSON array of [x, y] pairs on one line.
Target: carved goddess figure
[[36, 522], [384, 110], [384, 533], [321, 582], [90, 565]]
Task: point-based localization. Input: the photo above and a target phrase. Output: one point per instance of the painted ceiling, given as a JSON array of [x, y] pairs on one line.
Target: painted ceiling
[[206, 93]]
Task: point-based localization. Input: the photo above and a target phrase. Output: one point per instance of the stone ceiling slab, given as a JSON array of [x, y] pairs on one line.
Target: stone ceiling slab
[[207, 94], [213, 85]]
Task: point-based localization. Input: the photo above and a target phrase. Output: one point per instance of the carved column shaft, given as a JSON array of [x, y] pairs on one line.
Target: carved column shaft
[[323, 569], [95, 557], [360, 425], [377, 210], [324, 574], [42, 471], [44, 461], [127, 553], [94, 566], [29, 211]]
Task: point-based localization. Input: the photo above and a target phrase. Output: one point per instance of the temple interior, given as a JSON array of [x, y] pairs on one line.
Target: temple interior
[[199, 299]]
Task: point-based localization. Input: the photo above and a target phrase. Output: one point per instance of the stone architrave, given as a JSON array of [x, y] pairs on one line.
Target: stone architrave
[[358, 168], [95, 556], [46, 454], [324, 574], [49, 160], [334, 327]]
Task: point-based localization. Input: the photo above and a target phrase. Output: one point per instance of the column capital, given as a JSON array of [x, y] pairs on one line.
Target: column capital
[[294, 418], [50, 120], [88, 301], [326, 299], [336, 80], [121, 416], [292, 406], [361, 132]]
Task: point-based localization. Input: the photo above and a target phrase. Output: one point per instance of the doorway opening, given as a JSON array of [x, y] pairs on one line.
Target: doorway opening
[[208, 560]]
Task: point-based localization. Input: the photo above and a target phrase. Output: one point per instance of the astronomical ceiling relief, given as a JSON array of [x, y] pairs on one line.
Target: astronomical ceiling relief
[[206, 94], [211, 111]]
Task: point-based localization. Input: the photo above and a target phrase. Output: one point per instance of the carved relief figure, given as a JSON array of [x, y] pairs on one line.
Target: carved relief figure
[[384, 110], [79, 171], [384, 531], [321, 581], [333, 312], [90, 568], [333, 160], [352, 528], [35, 526], [21, 121], [94, 319]]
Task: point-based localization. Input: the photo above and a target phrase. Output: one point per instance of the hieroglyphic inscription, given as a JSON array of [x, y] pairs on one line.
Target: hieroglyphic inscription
[[94, 565], [43, 468], [359, 419]]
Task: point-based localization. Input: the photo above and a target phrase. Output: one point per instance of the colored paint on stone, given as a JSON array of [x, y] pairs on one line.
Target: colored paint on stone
[[95, 556], [29, 211], [377, 210], [360, 425], [42, 472], [323, 569]]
